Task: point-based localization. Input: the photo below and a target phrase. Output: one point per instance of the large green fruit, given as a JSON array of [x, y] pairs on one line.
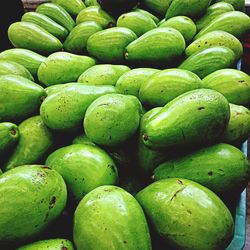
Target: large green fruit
[[63, 67], [158, 7], [110, 218], [187, 215], [172, 125], [33, 197], [83, 167], [237, 4], [112, 119], [73, 7]]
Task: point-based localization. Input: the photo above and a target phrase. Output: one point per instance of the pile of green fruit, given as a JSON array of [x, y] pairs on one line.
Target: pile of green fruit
[[121, 125]]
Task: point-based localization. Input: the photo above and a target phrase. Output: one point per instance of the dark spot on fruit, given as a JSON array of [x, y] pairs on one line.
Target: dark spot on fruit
[[42, 98], [206, 42], [45, 167], [210, 173], [41, 174], [52, 202], [199, 46], [36, 226], [145, 137], [189, 211], [178, 191], [110, 137], [110, 24], [126, 55], [75, 179], [64, 248], [13, 131], [125, 242], [112, 168], [201, 108], [179, 182]]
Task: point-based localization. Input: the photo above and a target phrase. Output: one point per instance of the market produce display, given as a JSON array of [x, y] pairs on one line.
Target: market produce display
[[121, 125]]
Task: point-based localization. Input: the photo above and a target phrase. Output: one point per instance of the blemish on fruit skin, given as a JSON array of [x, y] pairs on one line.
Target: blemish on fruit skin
[[52, 202], [145, 137], [210, 173], [64, 248]]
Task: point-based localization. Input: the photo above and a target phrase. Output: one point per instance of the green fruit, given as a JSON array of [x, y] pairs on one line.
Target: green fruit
[[46, 23], [208, 60], [96, 14], [110, 218], [178, 208], [166, 85], [216, 38], [130, 82], [184, 24], [65, 109], [159, 7], [172, 127], [35, 142], [57, 13], [237, 4], [20, 97], [76, 41], [109, 45], [37, 200], [29, 59], [63, 67], [89, 3], [137, 22], [83, 139], [149, 14], [232, 83], [117, 115], [31, 36], [103, 74], [73, 7]]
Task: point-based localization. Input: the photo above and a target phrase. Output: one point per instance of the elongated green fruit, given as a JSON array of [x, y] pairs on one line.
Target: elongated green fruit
[[73, 7], [159, 7]]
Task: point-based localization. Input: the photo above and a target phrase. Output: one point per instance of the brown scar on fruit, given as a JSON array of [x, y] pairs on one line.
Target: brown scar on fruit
[[145, 137], [178, 191]]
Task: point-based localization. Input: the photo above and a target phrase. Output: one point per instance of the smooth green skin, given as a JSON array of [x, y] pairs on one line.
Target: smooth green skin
[[63, 67], [208, 60], [183, 24], [236, 23], [73, 7], [9, 135], [29, 59], [187, 215], [33, 197], [83, 139], [117, 115], [97, 14], [149, 14], [216, 38], [46, 23], [89, 3], [109, 45], [212, 12], [76, 41], [35, 141], [31, 36], [103, 74], [138, 22], [52, 244], [172, 127], [190, 8], [20, 97], [57, 13], [237, 4], [159, 7], [8, 67], [238, 129], [157, 45], [110, 218], [64, 110], [232, 83], [222, 168], [166, 85], [130, 82], [83, 168]]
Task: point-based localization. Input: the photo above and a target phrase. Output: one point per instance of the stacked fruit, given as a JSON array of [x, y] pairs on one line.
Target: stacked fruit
[[121, 125]]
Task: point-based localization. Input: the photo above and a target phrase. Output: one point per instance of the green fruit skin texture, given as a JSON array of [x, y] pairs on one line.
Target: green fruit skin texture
[[236, 23], [216, 38], [171, 127], [110, 218], [208, 60], [233, 84], [83, 168], [8, 67], [29, 59], [159, 7], [109, 45], [32, 36], [59, 87], [184, 24], [130, 82], [166, 85], [33, 196], [76, 41], [46, 23], [63, 67], [178, 208], [97, 14], [51, 244], [117, 115], [137, 22], [157, 45], [155, 18], [103, 74], [57, 13], [35, 142], [237, 4], [190, 8], [65, 110], [73, 7], [222, 168], [19, 97], [212, 12]]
